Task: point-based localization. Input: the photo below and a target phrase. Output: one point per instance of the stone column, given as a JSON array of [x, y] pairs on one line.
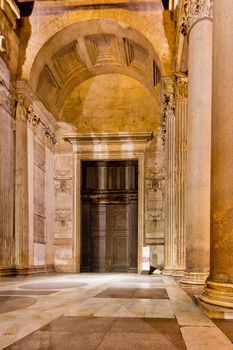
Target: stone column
[[181, 111], [168, 122], [197, 24], [219, 288], [21, 188]]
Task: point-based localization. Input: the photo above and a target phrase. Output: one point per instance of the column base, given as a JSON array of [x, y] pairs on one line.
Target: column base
[[194, 278], [213, 311], [178, 273], [168, 272], [219, 294]]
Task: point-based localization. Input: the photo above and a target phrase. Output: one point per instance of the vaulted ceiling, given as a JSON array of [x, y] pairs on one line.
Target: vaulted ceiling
[[89, 48]]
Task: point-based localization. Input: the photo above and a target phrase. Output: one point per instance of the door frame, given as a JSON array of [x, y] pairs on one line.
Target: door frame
[[107, 146]]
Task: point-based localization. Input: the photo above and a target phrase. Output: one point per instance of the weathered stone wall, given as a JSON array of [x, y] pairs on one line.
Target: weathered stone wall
[[9, 54], [154, 199], [64, 200]]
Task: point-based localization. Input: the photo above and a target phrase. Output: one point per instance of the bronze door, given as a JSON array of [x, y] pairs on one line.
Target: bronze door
[[109, 217]]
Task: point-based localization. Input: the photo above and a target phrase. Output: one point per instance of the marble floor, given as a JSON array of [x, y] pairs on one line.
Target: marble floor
[[104, 312]]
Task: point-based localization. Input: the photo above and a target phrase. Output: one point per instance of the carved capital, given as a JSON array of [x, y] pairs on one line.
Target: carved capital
[[181, 85], [168, 108], [21, 110], [7, 98], [50, 136], [194, 10], [33, 119]]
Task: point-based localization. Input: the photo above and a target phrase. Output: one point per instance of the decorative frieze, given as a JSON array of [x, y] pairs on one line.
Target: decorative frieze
[[168, 108], [63, 185], [33, 119], [194, 10], [50, 136], [7, 98], [28, 114]]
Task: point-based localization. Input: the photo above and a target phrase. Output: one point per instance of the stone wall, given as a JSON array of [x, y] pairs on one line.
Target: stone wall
[[64, 199], [9, 54], [154, 199]]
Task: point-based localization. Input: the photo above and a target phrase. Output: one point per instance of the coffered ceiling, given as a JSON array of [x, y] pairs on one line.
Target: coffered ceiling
[[89, 48]]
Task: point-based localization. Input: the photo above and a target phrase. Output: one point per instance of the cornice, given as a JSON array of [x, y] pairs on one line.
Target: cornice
[[120, 137]]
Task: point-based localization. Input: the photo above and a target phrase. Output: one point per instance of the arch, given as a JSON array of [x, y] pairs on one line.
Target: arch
[[88, 48]]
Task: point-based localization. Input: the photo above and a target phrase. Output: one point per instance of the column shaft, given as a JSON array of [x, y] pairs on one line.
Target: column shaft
[[198, 153], [170, 193], [181, 158], [219, 289]]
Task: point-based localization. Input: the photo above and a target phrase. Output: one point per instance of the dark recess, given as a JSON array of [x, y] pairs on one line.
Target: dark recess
[[25, 8], [165, 4]]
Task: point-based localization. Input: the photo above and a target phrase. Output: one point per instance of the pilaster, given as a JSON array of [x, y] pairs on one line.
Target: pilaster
[[168, 127], [181, 111]]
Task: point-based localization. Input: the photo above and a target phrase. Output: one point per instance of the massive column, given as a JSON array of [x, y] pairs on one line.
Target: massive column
[[181, 111], [219, 289], [197, 24]]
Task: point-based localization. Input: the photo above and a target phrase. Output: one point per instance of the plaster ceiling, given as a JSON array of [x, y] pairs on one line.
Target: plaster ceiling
[[111, 103]]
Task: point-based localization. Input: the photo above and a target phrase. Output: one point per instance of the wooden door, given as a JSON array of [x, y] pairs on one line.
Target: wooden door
[[109, 217]]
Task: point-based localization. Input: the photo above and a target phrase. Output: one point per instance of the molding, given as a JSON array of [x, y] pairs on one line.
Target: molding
[[108, 146], [24, 271], [32, 101], [193, 11], [194, 278], [118, 137], [219, 294]]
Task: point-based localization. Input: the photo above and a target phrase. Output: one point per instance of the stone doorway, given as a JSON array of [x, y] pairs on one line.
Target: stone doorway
[[109, 207]]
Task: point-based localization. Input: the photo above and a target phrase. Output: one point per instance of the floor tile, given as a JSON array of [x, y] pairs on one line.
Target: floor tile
[[80, 324], [136, 293], [27, 292], [226, 327], [145, 325], [142, 280], [159, 308], [59, 341], [53, 285], [134, 341], [12, 303], [205, 338]]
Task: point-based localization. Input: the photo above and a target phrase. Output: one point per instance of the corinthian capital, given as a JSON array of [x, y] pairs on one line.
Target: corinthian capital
[[168, 107], [194, 10], [180, 85]]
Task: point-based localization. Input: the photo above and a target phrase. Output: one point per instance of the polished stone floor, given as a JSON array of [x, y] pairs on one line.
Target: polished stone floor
[[104, 312]]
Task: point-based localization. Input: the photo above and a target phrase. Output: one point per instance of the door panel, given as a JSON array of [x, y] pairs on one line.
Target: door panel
[[98, 237], [117, 236]]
